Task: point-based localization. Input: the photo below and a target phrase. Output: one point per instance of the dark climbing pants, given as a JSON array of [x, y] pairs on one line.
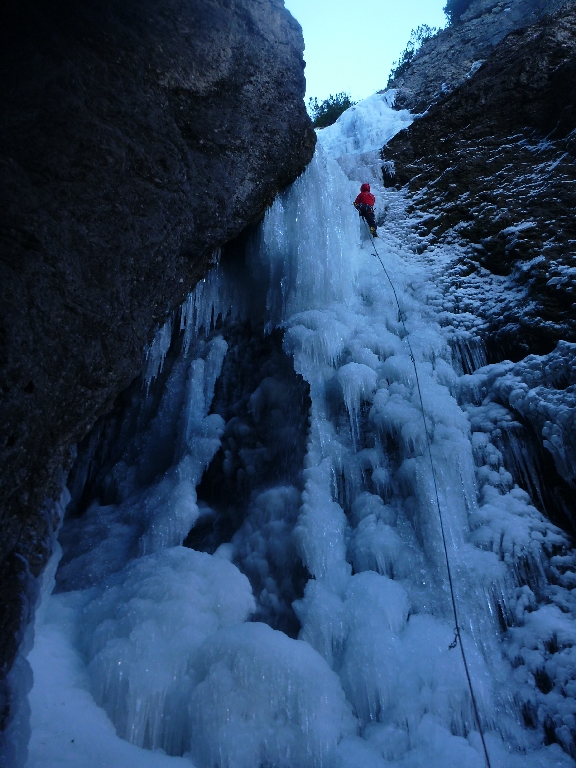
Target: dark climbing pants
[[367, 213]]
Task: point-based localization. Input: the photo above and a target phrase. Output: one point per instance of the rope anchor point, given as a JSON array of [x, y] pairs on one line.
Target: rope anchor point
[[454, 642]]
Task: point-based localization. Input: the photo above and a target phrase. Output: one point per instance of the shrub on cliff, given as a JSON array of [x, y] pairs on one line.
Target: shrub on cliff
[[326, 112], [417, 37], [455, 8]]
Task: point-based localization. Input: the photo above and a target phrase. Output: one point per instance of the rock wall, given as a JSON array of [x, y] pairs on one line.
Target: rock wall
[[136, 138], [492, 168], [446, 60]]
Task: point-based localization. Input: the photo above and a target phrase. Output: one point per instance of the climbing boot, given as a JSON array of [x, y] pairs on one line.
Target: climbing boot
[[373, 232]]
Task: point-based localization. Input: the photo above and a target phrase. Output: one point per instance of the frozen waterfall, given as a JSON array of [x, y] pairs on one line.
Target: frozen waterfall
[[253, 573]]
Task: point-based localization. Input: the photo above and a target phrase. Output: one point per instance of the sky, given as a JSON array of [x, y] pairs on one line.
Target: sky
[[352, 44]]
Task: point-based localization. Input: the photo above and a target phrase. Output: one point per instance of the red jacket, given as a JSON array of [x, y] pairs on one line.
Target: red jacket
[[365, 196]]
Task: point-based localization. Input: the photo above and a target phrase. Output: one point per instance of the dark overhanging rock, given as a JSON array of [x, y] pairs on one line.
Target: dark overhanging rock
[[136, 138]]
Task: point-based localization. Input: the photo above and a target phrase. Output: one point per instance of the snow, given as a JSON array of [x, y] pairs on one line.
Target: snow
[[149, 653], [542, 389], [68, 727], [262, 698], [140, 630]]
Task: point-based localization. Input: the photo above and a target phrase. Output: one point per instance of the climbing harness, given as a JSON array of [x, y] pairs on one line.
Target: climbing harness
[[457, 634]]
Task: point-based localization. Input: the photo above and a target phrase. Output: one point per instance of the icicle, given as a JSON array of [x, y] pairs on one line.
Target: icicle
[[358, 382], [157, 351]]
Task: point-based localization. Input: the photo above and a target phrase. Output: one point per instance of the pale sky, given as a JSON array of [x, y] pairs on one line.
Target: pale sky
[[351, 44]]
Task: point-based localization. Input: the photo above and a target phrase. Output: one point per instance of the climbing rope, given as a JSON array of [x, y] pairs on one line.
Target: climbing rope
[[457, 633]]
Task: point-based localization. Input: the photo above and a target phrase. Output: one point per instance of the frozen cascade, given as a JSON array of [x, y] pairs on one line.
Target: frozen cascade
[[253, 573]]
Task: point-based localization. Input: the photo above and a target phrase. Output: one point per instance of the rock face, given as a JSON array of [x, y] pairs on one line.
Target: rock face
[[136, 138], [492, 168], [446, 60]]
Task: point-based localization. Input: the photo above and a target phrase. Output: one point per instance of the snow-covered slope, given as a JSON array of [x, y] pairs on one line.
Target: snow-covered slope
[[305, 393]]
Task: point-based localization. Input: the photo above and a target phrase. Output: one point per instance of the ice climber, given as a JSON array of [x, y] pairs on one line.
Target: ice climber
[[364, 204]]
